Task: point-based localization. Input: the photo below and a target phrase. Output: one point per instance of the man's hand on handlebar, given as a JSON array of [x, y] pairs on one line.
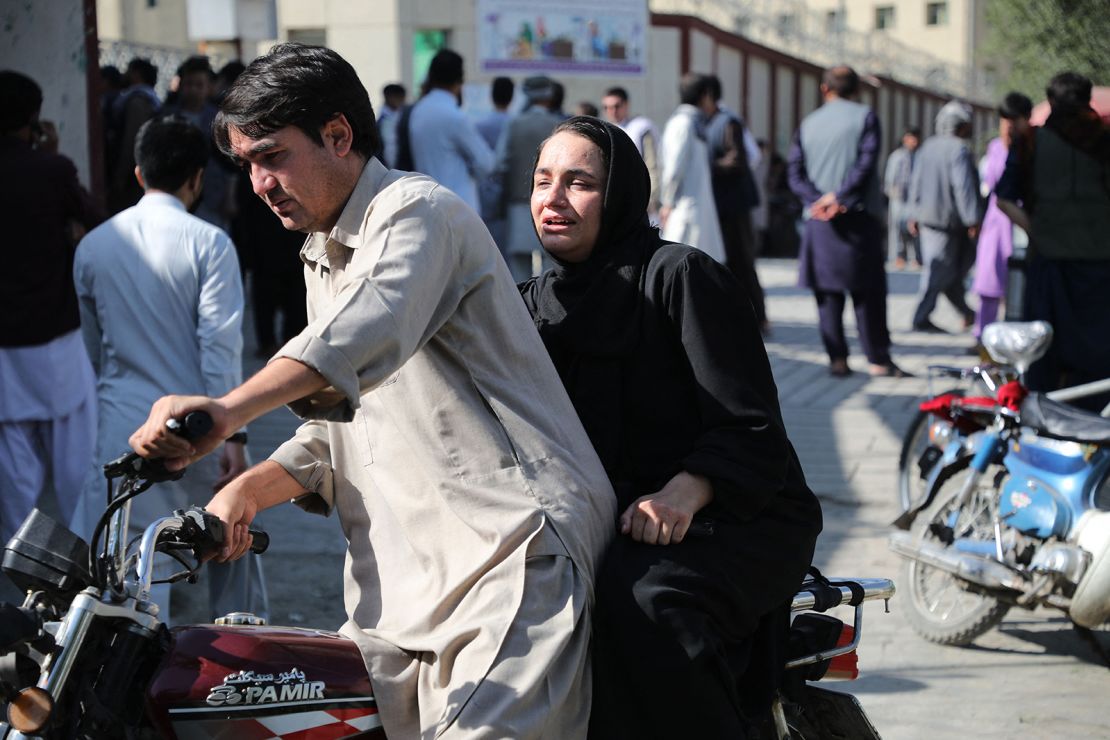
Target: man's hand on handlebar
[[237, 508], [154, 440]]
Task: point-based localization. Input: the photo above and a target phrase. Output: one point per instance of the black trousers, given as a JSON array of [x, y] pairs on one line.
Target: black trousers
[[870, 308], [739, 239]]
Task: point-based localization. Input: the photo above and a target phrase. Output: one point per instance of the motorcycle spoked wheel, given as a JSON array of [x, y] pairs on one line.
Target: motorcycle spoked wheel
[[942, 608], [911, 482]]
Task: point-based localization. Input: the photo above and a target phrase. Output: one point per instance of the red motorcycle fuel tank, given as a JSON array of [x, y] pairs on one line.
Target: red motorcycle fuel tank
[[256, 683]]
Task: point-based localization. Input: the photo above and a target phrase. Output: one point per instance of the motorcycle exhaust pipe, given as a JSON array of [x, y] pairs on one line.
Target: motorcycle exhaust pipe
[[972, 568]]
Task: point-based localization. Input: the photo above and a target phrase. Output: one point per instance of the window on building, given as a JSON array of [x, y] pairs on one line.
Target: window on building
[[310, 36], [834, 21], [884, 17], [936, 14]]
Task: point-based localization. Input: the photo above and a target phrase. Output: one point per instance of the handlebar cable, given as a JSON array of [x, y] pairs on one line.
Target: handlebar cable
[[134, 488]]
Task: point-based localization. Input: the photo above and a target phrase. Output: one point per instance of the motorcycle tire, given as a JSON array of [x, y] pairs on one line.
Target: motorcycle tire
[[911, 478], [942, 608]]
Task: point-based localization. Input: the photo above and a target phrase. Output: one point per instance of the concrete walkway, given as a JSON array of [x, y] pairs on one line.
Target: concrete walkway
[[1032, 678]]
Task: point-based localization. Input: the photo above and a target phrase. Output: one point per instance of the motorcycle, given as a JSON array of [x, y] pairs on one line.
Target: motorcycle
[[1016, 513], [86, 655], [938, 420]]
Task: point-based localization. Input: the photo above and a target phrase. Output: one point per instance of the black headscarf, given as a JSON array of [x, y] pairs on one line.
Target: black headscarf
[[589, 313]]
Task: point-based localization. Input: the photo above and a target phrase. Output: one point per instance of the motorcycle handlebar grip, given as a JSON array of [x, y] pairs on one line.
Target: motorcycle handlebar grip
[[195, 425], [260, 541]]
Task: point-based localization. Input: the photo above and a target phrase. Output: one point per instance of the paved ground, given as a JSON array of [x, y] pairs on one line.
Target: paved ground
[[1033, 677]]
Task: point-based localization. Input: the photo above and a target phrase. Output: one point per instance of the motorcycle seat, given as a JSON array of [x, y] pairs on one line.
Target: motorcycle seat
[[1062, 421]]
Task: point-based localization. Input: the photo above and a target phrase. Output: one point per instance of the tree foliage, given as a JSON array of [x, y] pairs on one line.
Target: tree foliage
[[1029, 41]]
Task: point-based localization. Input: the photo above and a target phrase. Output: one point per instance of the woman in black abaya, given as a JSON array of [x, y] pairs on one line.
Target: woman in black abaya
[[660, 351]]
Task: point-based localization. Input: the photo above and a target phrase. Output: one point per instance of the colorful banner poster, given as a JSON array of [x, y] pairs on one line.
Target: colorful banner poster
[[607, 38]]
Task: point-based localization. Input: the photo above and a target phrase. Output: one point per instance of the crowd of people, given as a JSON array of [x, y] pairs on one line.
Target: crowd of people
[[712, 183], [528, 353], [128, 101]]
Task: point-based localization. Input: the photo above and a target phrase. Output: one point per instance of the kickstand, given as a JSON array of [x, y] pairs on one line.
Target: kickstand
[[1089, 637]]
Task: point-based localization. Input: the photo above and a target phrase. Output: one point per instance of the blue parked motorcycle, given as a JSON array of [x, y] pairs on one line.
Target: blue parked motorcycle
[[1017, 514]]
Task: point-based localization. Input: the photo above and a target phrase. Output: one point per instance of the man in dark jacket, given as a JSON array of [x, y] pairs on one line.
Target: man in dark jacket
[[945, 210], [133, 107], [1062, 180]]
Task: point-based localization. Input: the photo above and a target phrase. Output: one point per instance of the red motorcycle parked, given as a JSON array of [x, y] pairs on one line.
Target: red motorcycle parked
[[86, 656]]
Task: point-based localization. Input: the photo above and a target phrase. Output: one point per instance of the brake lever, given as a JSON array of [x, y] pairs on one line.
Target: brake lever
[[132, 464]]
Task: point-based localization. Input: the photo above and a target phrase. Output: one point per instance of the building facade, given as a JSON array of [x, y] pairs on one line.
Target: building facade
[[771, 76]]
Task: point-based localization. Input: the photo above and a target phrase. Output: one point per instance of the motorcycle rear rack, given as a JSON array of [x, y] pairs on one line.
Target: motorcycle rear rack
[[872, 588]]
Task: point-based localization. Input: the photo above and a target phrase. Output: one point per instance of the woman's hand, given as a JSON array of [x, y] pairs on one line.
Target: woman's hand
[[662, 518]]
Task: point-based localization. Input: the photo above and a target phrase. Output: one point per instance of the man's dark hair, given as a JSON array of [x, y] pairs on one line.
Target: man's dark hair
[[195, 64], [302, 86], [693, 86], [914, 131], [393, 89], [715, 87], [446, 69], [144, 70], [168, 151], [558, 95], [618, 92], [1015, 105], [1068, 92], [111, 77], [231, 71], [841, 80], [20, 101], [502, 91]]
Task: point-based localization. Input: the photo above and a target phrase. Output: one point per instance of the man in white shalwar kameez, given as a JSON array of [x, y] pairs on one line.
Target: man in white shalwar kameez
[[161, 309], [688, 212], [475, 509]]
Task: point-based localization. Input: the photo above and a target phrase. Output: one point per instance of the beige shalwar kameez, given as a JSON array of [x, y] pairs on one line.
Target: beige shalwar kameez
[[475, 509]]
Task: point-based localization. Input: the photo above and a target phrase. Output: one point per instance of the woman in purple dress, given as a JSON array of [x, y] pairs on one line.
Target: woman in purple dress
[[996, 241]]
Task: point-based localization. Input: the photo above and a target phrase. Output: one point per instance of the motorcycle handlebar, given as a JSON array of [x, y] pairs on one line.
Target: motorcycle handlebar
[[205, 532], [195, 425]]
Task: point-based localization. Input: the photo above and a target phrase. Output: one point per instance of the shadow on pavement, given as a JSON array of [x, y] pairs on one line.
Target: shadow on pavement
[[1052, 637], [886, 683]]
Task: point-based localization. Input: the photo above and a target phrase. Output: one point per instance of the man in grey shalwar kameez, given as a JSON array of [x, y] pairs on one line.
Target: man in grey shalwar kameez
[[944, 211], [833, 169], [474, 506]]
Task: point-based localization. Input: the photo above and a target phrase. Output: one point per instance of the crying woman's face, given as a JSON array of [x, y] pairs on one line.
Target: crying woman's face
[[568, 195]]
